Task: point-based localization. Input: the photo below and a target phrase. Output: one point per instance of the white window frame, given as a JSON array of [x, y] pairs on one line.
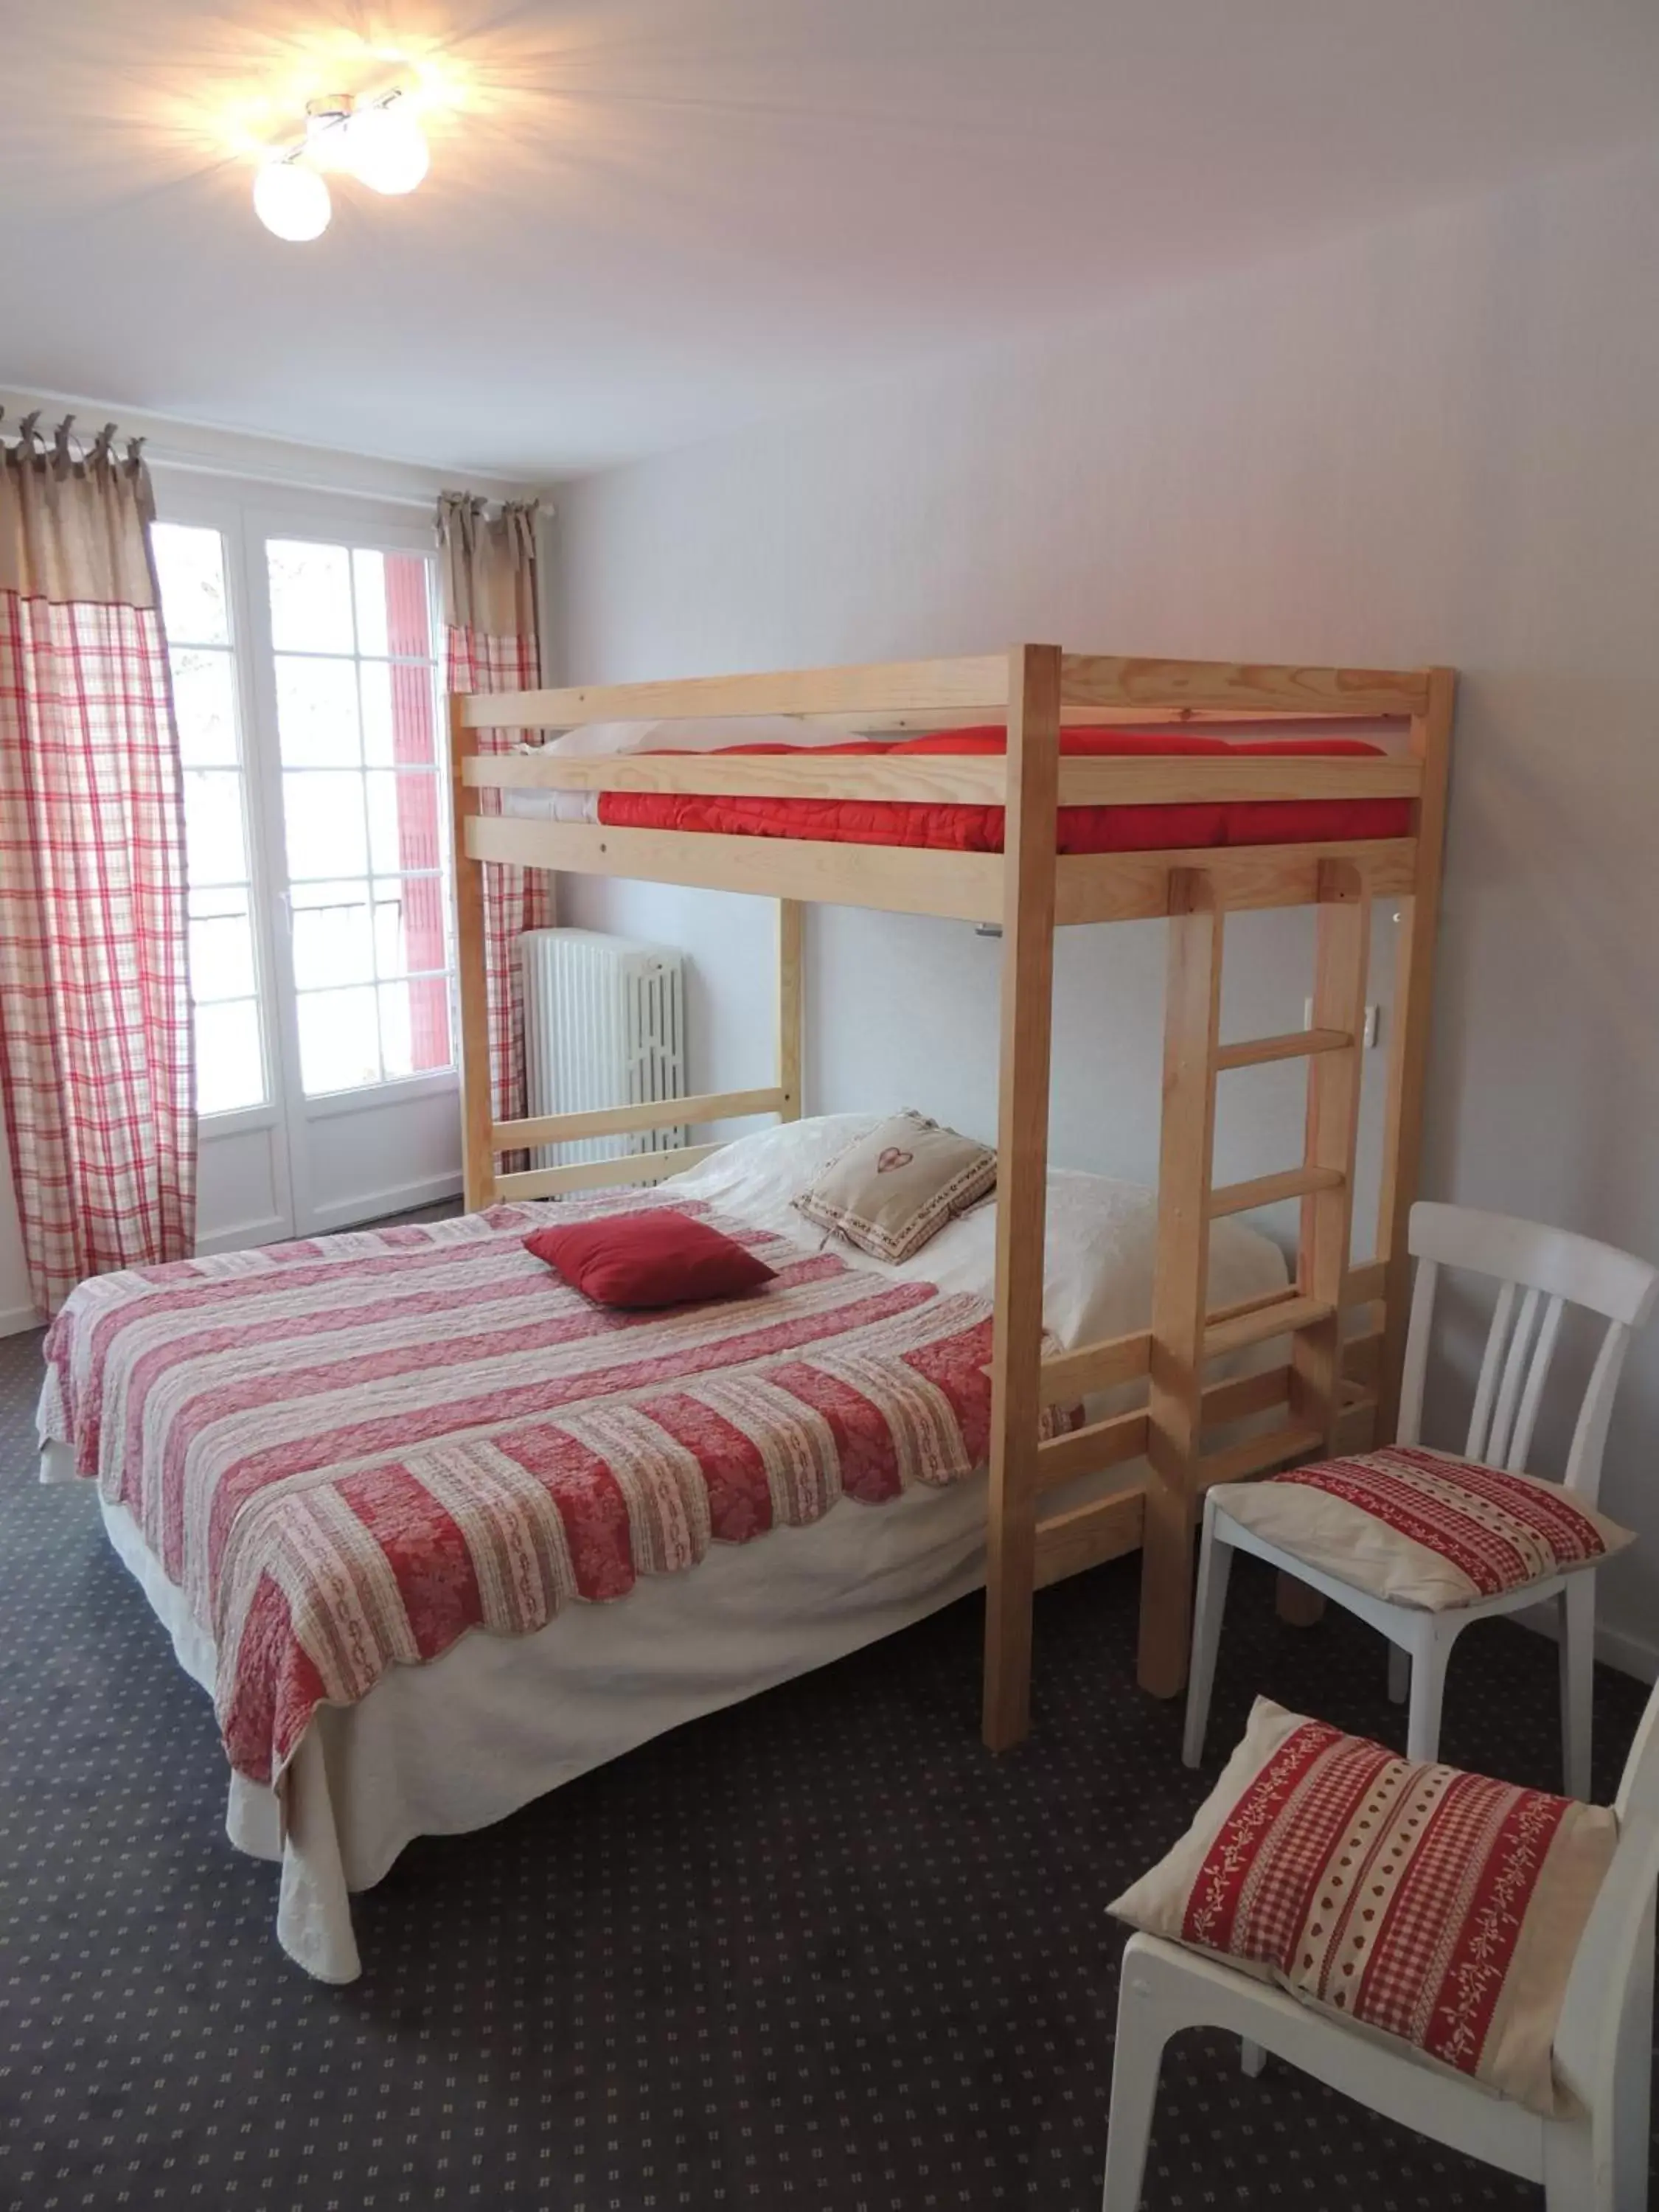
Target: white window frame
[[245, 517]]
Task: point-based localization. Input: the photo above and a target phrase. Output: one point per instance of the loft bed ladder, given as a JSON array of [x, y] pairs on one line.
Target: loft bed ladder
[[1185, 1334]]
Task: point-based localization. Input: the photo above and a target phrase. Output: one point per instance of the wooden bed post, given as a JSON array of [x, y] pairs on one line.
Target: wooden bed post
[[1028, 970], [1408, 1053], [790, 914], [1192, 1020], [477, 1102], [1342, 947], [1341, 964]]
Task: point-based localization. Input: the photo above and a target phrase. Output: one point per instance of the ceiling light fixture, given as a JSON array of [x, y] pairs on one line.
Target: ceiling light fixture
[[377, 141]]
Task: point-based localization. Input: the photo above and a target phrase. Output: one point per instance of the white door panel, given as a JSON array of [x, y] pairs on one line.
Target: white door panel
[[385, 1157], [241, 1181]]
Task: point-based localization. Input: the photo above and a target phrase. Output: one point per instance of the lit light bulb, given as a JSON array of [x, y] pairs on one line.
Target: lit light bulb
[[387, 148], [291, 200]]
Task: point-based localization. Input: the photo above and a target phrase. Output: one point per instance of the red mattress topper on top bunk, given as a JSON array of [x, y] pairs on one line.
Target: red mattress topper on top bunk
[[966, 828]]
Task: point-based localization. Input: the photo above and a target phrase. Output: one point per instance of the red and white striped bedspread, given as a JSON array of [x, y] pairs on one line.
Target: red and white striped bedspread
[[347, 1452]]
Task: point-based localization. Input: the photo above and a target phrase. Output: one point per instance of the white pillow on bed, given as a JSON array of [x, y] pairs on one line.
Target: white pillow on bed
[[1102, 1241]]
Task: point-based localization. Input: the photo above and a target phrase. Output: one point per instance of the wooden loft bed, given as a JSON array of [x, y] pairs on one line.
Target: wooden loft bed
[[1338, 1386]]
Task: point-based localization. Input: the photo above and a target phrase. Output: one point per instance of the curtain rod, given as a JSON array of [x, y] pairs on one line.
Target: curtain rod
[[426, 502], [161, 458], [159, 454]]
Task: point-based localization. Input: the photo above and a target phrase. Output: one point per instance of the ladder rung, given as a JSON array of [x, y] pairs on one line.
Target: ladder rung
[[1257, 1455], [1267, 1322], [1267, 1190], [1295, 1044], [1089, 1534], [1084, 1451], [1242, 1395]]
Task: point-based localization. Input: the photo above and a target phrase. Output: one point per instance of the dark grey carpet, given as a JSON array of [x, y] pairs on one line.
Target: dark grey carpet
[[819, 1952]]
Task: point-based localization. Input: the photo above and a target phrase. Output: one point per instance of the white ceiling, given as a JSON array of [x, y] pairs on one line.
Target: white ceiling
[[649, 219]]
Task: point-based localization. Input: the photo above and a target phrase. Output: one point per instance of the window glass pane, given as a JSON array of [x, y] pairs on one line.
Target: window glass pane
[[410, 932], [338, 1040], [204, 700], [323, 815], [396, 1053], [398, 713], [403, 821], [415, 1026], [408, 604], [429, 1045], [368, 575], [191, 563], [215, 850], [229, 1066], [317, 712], [310, 596], [333, 941], [393, 604], [221, 946]]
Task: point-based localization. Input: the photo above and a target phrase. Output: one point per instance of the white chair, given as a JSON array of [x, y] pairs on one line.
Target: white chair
[[1596, 2161], [1553, 1268]]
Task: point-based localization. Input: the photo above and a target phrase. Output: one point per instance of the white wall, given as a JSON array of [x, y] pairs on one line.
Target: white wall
[[1439, 443]]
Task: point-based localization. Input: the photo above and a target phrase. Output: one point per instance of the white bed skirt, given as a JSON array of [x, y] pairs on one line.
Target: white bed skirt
[[497, 1722]]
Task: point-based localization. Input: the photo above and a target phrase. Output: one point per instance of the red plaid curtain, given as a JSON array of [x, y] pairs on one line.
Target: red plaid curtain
[[96, 1065], [492, 643]]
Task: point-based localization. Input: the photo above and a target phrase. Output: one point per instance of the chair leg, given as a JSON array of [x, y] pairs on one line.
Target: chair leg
[[1137, 2057], [1577, 1608], [1428, 1686], [1400, 1674], [1629, 2141], [1215, 1566], [1572, 2181]]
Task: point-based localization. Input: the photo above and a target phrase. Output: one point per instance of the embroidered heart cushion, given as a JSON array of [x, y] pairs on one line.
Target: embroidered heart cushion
[[1439, 1908], [898, 1185]]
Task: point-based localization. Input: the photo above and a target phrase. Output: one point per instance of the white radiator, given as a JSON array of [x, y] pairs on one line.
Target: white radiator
[[605, 1025]]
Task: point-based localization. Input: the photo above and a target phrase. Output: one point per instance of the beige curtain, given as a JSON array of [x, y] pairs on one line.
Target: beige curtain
[[96, 1064], [487, 565]]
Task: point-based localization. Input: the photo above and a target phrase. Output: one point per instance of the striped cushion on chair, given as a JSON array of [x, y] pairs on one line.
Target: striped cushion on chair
[[1422, 1528], [1439, 1908]]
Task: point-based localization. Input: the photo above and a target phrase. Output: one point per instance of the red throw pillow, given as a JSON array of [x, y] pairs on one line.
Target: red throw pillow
[[655, 1258]]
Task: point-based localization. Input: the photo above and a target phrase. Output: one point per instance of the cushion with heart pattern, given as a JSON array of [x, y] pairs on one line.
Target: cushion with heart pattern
[[897, 1186]]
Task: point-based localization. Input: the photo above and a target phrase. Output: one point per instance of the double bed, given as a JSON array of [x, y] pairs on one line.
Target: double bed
[[437, 1537]]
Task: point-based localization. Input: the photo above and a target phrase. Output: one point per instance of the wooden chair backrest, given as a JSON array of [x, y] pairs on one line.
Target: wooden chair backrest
[[1541, 1272]]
